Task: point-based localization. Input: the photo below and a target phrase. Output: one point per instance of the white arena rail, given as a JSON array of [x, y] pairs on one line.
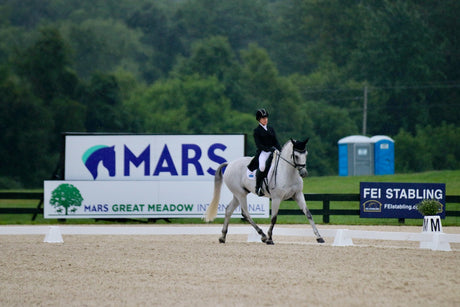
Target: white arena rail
[[342, 237]]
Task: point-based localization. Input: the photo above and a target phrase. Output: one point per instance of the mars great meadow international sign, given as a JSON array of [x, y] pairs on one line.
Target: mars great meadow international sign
[[398, 200], [143, 176], [139, 199]]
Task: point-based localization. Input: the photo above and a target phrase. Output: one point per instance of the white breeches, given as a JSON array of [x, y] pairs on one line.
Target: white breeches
[[263, 159]]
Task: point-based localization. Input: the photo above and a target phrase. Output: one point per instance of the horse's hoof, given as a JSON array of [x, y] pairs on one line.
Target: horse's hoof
[[320, 240], [269, 242], [221, 240], [263, 239]]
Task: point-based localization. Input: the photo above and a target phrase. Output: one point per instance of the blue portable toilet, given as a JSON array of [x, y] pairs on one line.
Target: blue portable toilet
[[384, 155], [356, 156]]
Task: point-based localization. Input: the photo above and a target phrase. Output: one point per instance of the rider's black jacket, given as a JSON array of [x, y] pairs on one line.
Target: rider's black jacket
[[265, 141]]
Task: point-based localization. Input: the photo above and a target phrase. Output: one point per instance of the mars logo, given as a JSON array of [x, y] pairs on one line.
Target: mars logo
[[190, 155], [188, 162], [100, 153]]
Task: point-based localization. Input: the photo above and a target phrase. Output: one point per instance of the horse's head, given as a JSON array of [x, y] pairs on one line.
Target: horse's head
[[299, 156]]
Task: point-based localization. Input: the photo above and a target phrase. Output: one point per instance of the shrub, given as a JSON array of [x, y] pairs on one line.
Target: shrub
[[429, 207]]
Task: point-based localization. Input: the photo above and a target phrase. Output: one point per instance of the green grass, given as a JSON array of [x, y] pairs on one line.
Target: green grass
[[327, 184], [336, 184]]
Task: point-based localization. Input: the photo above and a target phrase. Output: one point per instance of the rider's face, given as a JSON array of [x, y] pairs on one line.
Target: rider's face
[[263, 121]]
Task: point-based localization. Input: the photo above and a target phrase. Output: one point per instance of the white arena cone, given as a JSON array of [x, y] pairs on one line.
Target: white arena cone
[[253, 236], [53, 235], [437, 243], [341, 238]]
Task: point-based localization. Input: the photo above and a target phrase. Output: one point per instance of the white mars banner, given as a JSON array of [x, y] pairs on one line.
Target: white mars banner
[[139, 199], [103, 157]]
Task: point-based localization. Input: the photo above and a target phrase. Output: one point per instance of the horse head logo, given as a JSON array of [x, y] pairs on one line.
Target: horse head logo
[[93, 156]]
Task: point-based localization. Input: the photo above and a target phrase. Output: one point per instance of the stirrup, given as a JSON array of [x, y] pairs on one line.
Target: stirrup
[[260, 192]]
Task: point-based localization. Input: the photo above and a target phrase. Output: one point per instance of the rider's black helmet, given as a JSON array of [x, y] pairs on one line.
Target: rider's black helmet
[[261, 113]]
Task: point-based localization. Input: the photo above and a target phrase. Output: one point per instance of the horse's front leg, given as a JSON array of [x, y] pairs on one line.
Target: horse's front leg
[[275, 208], [228, 213], [300, 199]]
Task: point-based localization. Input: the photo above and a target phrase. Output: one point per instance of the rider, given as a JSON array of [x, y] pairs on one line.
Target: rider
[[266, 142]]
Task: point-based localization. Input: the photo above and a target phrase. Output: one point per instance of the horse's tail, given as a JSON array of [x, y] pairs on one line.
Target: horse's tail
[[211, 212]]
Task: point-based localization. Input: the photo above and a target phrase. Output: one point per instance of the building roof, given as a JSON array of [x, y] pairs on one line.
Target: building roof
[[355, 139], [377, 138]]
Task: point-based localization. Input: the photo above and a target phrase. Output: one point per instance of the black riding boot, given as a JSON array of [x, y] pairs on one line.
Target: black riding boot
[[259, 180]]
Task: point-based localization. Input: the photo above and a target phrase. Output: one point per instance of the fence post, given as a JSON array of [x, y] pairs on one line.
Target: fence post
[[326, 211]]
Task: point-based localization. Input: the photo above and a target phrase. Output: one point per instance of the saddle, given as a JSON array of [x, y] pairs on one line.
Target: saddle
[[254, 164], [261, 177]]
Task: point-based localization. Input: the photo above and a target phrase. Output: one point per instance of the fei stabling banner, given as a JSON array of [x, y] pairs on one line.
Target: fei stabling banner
[[398, 200]]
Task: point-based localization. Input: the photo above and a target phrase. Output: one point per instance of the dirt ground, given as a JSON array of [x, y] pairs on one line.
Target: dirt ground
[[195, 270]]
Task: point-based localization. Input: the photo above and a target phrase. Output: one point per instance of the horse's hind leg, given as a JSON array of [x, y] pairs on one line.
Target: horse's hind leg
[[228, 213], [247, 216]]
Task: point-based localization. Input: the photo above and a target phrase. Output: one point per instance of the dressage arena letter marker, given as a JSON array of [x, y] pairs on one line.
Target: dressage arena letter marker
[[432, 224]]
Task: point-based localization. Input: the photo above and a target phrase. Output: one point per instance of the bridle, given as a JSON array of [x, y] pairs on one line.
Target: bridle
[[294, 163]]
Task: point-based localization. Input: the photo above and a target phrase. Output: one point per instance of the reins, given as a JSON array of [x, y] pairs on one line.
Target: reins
[[294, 165], [277, 160]]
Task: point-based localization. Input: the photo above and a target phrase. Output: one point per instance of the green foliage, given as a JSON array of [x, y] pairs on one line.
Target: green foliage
[[214, 57], [241, 21], [264, 87], [26, 126], [308, 33], [399, 42], [105, 45], [205, 66], [429, 207], [209, 57], [193, 105], [104, 110], [45, 65], [8, 183], [405, 53], [430, 148], [350, 184]]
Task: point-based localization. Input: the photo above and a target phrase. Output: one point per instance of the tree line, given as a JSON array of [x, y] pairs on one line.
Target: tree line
[[206, 66]]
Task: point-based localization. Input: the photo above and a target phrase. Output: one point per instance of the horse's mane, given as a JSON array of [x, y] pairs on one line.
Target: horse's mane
[[296, 145], [287, 144]]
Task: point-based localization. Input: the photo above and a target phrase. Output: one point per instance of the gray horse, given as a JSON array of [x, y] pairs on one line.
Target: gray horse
[[284, 181]]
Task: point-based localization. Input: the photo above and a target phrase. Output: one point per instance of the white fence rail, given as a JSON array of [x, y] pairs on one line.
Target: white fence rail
[[342, 237]]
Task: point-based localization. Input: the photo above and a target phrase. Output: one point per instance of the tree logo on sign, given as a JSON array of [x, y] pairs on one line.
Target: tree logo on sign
[[65, 198]]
